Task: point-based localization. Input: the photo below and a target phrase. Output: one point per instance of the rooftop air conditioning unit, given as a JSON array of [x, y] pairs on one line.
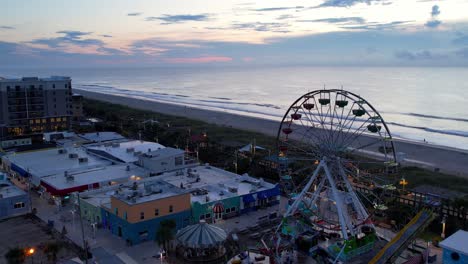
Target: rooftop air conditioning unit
[[83, 159], [232, 189], [72, 155], [129, 150], [62, 151]]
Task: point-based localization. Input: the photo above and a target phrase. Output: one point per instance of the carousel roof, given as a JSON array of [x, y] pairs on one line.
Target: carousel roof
[[201, 235]]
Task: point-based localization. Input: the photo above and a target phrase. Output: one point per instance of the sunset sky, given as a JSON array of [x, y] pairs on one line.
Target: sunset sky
[[57, 33]]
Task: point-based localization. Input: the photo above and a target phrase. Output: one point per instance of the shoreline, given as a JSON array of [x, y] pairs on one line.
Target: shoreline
[[446, 159]]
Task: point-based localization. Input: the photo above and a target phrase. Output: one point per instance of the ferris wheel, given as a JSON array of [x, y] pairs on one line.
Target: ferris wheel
[[327, 137]]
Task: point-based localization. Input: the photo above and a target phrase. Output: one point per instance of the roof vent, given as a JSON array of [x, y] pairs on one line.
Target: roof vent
[[129, 150], [72, 155], [82, 159], [62, 151]]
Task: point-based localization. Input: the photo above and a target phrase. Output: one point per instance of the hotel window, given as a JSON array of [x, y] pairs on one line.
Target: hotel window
[[58, 119], [171, 208], [53, 85], [233, 209], [38, 121], [31, 121], [207, 216], [19, 205], [202, 217], [156, 212], [142, 215]]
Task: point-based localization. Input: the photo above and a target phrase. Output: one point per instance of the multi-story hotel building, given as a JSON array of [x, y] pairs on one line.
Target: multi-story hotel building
[[33, 105]]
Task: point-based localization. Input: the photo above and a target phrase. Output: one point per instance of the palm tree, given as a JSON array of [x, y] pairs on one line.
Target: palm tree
[[15, 255], [165, 232]]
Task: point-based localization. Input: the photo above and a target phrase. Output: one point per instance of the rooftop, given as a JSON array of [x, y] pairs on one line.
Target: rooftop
[[47, 162], [217, 184], [163, 153], [146, 190], [28, 79], [89, 176], [457, 242], [7, 190], [126, 151], [101, 136]]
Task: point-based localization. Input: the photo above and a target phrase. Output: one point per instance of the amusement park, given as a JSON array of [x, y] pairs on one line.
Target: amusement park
[[337, 168]]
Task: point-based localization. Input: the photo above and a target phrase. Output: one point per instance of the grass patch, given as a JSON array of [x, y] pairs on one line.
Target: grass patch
[[417, 176]]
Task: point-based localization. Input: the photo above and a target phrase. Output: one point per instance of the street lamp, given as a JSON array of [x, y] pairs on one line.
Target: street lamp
[[443, 222], [30, 252], [403, 182]]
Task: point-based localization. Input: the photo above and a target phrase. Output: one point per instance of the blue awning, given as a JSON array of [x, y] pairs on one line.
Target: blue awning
[[248, 198], [19, 170], [269, 193]]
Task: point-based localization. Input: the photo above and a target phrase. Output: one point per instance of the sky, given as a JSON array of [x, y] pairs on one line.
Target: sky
[[133, 33]]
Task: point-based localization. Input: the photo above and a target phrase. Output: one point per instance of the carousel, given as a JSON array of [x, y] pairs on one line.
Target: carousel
[[201, 243]]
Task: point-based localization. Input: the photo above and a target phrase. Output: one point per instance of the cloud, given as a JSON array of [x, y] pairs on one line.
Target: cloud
[[277, 8], [435, 10], [377, 26], [461, 39], [421, 55], [434, 22], [69, 37], [283, 17], [6, 27], [462, 53], [204, 59], [135, 14], [262, 26], [170, 19], [337, 20], [347, 3], [106, 36]]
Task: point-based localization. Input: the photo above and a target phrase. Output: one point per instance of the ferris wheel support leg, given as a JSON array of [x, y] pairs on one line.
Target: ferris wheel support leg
[[319, 187], [345, 223], [298, 199], [357, 203]]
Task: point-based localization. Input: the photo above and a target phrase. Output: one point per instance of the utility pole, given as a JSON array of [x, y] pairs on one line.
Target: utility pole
[[85, 246]]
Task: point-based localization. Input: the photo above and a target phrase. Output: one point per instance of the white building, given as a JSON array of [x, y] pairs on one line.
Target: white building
[[123, 151], [163, 160]]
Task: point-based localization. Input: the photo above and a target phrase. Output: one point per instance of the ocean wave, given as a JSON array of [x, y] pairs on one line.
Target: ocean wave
[[433, 130], [431, 116]]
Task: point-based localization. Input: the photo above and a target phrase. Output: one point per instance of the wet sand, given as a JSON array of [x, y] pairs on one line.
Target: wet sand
[[447, 160]]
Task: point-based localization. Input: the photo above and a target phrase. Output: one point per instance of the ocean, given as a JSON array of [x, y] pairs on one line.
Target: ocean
[[418, 104]]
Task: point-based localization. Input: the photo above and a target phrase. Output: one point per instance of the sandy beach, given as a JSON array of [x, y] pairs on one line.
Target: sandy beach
[[448, 160]]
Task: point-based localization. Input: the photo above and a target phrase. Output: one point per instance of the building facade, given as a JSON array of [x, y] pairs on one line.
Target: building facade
[[455, 248], [135, 213], [33, 105], [13, 201]]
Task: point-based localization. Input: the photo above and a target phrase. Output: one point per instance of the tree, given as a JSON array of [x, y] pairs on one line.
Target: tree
[[165, 232], [51, 250], [15, 255]]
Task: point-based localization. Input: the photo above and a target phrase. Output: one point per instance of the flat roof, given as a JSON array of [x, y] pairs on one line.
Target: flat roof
[[125, 151], [95, 175], [7, 190], [147, 190], [101, 136], [47, 162], [163, 153], [218, 184], [28, 79], [457, 242]]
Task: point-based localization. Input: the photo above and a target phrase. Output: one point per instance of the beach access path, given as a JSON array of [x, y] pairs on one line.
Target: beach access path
[[447, 160]]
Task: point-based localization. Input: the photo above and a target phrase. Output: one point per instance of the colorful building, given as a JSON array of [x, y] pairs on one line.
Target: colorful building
[[13, 200], [218, 194], [135, 210], [455, 248]]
